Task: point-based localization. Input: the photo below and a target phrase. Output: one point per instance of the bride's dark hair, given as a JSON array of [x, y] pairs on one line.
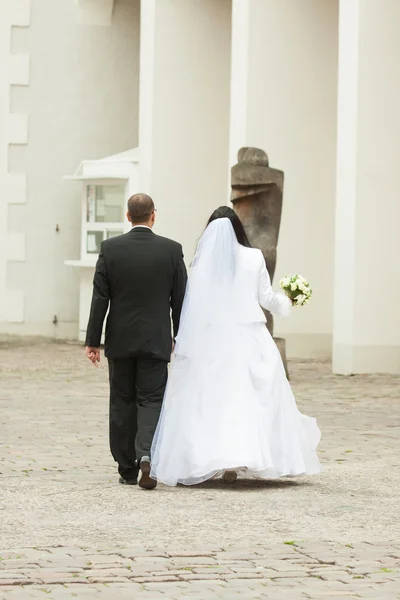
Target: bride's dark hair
[[225, 212]]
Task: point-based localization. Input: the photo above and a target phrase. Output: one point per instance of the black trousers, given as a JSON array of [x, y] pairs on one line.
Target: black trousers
[[137, 387]]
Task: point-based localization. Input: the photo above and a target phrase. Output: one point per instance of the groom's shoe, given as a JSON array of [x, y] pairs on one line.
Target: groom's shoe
[[144, 479], [129, 476], [128, 481]]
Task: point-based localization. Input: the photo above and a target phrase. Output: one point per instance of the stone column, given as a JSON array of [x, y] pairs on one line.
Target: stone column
[[283, 100], [367, 283], [184, 112]]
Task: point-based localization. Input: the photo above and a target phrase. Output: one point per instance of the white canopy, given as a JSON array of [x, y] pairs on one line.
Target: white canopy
[[117, 166]]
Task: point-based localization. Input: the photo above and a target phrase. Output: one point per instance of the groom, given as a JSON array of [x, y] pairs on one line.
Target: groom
[[141, 277]]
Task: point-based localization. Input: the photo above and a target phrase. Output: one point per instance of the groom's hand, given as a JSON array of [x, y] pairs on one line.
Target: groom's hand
[[93, 355]]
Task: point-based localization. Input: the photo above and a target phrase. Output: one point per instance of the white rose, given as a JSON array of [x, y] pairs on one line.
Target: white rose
[[293, 286], [285, 281]]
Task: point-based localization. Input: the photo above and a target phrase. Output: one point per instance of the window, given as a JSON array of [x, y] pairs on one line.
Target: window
[[104, 215], [93, 241], [111, 234], [105, 203]]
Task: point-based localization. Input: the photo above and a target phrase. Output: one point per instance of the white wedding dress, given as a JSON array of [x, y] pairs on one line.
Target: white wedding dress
[[228, 403]]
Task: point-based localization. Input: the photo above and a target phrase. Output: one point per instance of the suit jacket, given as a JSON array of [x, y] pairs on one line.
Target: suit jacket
[[141, 277]]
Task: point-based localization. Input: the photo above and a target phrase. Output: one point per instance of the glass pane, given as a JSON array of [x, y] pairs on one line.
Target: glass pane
[[113, 233], [105, 203], [93, 241], [91, 203]]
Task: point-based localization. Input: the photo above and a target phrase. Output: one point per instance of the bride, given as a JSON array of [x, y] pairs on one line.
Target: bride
[[228, 407]]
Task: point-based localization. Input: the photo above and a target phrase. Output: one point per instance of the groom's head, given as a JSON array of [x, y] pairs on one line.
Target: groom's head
[[141, 210]]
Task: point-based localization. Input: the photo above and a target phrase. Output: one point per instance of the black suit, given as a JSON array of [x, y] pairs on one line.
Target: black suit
[[141, 277]]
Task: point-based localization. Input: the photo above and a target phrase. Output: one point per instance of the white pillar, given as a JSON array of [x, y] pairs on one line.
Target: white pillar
[[184, 112], [367, 282], [283, 100]]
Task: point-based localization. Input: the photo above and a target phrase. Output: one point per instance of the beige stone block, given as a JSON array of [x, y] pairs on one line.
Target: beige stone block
[[17, 128], [15, 247], [19, 69], [20, 13], [15, 304], [13, 188]]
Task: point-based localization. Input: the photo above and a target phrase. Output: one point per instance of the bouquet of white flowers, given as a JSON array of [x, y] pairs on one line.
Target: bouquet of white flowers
[[297, 288]]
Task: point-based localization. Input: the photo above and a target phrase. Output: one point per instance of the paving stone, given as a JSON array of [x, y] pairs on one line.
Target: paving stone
[[167, 586], [11, 575], [17, 581], [203, 577], [155, 579], [247, 583], [290, 575], [218, 570], [106, 580], [191, 553], [61, 578], [197, 561]]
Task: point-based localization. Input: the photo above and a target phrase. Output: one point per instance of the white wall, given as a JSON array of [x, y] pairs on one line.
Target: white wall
[[184, 112], [284, 95], [82, 102]]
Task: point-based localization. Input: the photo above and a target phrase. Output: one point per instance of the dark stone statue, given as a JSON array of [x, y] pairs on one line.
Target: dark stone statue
[[257, 193]]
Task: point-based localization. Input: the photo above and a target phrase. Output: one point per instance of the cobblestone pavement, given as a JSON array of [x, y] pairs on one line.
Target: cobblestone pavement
[[68, 530]]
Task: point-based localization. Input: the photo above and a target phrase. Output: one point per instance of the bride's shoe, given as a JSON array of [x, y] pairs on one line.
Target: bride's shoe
[[229, 476]]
